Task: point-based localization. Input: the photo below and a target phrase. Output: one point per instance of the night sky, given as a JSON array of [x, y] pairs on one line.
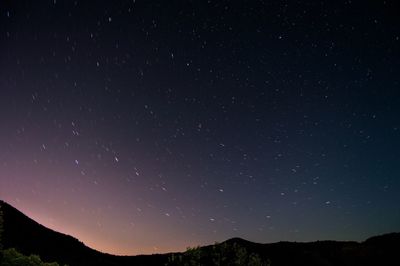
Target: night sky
[[149, 126]]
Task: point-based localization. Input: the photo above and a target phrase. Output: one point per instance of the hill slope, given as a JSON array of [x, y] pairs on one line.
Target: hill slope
[[29, 237]]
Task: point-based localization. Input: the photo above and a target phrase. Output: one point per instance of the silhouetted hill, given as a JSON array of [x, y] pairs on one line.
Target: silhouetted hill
[[29, 237]]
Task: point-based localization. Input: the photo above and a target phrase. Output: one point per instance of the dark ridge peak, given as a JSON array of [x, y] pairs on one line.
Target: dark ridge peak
[[236, 240], [389, 238], [240, 241]]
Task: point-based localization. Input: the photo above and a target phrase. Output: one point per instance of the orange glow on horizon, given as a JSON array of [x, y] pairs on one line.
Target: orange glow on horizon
[[97, 241]]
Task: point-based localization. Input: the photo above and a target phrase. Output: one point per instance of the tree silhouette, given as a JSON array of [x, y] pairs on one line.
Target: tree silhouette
[[220, 254], [13, 258]]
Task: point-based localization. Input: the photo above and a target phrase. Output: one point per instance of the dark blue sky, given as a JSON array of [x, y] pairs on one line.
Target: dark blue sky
[[150, 126]]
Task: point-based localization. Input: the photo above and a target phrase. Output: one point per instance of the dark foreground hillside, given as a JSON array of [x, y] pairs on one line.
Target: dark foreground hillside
[[29, 237]]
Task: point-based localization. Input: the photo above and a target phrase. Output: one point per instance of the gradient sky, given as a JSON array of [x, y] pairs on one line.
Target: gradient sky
[[151, 126]]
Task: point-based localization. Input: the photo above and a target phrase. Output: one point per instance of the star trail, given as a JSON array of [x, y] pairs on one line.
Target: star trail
[[145, 127]]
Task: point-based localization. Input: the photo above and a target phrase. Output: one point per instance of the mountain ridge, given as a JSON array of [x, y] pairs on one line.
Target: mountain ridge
[[30, 237]]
